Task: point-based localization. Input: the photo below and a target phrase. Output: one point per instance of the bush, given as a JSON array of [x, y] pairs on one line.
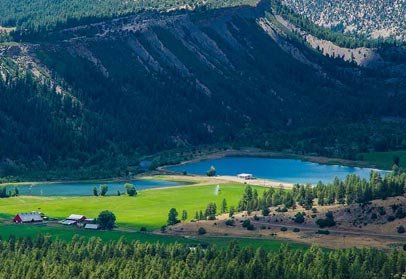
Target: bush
[[296, 230], [211, 171], [250, 227], [391, 218], [284, 229], [143, 229], [401, 229], [230, 222], [265, 211], [299, 218], [256, 218], [326, 232], [374, 216], [246, 223], [201, 231], [327, 222]]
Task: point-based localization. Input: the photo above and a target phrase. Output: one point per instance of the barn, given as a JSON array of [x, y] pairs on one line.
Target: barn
[[77, 218], [31, 217]]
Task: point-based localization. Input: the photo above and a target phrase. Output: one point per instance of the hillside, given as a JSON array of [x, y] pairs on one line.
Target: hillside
[[101, 95], [369, 18]]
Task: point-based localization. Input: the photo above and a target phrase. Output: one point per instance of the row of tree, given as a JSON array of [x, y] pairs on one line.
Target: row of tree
[[103, 189], [351, 190], [5, 193], [80, 258]]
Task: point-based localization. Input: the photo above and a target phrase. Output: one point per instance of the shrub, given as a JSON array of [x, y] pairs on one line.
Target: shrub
[[265, 211], [401, 229], [143, 229], [250, 227], [256, 218], [327, 222], [201, 231], [246, 223], [326, 232], [296, 230], [284, 229], [374, 216], [391, 218], [299, 218], [230, 222]]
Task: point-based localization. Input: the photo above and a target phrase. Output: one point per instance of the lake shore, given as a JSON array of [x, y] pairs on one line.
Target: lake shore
[[248, 152]]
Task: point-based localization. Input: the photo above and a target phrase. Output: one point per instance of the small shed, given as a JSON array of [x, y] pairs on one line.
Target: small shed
[[68, 222], [245, 176], [31, 217], [92, 226]]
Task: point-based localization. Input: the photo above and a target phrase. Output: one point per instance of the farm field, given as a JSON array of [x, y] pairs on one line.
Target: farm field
[[148, 209]]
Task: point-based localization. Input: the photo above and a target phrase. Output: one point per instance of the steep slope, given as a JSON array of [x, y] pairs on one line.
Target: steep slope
[[152, 81], [370, 18]]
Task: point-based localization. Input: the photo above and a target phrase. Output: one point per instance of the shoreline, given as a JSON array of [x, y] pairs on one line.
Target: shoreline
[[273, 155]]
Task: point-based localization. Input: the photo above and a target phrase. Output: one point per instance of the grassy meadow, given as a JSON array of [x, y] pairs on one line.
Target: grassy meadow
[[148, 209]]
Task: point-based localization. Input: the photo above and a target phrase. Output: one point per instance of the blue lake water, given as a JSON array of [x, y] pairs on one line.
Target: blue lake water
[[284, 170], [86, 188]]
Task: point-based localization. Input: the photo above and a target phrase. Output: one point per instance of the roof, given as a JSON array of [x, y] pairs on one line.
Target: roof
[[67, 222], [89, 220], [29, 217], [244, 174], [92, 226], [76, 217]]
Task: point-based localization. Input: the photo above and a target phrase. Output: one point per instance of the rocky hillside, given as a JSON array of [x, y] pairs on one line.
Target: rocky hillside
[[370, 18]]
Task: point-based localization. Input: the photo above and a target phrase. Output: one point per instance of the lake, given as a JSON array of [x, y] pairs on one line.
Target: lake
[[283, 170], [86, 188]]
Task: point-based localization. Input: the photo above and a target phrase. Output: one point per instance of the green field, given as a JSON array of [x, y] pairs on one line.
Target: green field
[[149, 209], [384, 159], [67, 233]]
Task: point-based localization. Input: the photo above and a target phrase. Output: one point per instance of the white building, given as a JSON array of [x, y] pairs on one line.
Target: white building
[[245, 176]]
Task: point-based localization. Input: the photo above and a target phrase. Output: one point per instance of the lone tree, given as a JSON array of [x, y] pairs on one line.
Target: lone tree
[[211, 211], [106, 220], [211, 171], [103, 189], [95, 191], [224, 206], [173, 217], [184, 215], [130, 189]]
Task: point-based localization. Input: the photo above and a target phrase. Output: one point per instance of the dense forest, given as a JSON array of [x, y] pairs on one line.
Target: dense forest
[[45, 258]]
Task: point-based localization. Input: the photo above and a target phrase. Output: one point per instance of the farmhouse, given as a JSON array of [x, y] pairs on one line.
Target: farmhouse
[[245, 176], [31, 217]]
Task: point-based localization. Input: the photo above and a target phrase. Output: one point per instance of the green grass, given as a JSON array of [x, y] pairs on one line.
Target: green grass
[[67, 233], [384, 159], [150, 208]]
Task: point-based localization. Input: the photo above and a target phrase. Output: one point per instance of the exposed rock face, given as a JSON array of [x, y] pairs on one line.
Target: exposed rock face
[[373, 18]]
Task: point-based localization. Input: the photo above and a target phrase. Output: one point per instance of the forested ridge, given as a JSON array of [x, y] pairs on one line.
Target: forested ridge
[[97, 98], [45, 258]]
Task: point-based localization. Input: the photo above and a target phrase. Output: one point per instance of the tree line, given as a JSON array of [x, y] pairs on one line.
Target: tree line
[[352, 189], [80, 258]]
